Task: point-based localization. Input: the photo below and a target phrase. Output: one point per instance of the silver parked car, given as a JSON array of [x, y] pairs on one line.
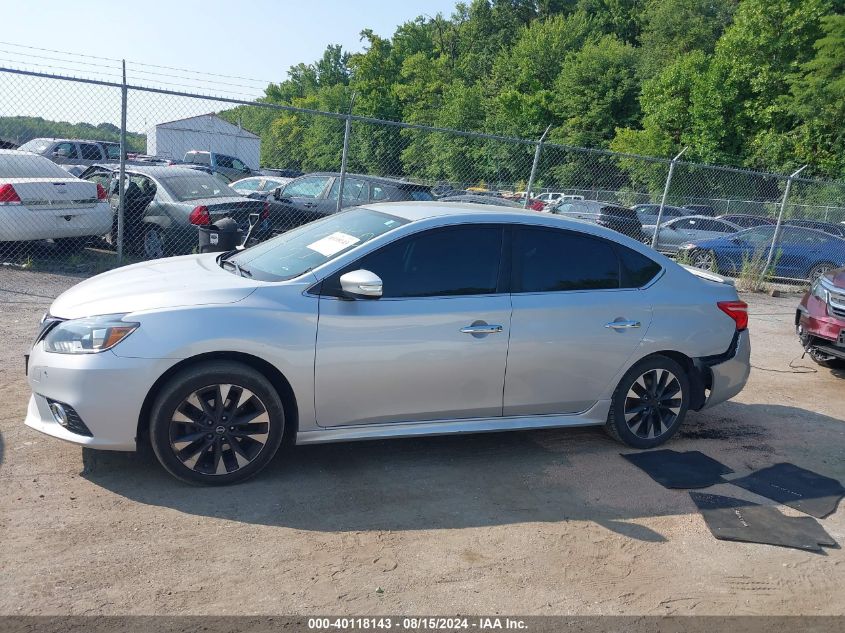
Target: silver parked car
[[389, 320], [679, 231]]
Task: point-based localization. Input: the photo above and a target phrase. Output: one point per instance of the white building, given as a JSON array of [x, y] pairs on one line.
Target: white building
[[206, 132]]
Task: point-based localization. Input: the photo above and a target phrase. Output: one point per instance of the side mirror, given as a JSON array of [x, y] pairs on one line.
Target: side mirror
[[277, 193], [737, 240], [361, 284]]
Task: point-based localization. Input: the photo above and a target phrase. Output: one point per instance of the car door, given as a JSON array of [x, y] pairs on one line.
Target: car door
[[577, 319], [300, 200], [433, 347]]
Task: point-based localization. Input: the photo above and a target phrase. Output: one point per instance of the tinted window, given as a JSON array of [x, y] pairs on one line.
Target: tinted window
[[440, 262], [90, 152], [238, 164], [308, 187], [224, 161], [637, 269], [546, 260], [67, 150], [759, 235]]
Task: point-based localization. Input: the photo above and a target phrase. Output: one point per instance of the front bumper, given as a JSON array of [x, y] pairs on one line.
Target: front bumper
[[729, 376], [107, 392]]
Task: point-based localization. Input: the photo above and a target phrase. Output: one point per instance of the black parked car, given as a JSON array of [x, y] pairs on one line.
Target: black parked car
[[831, 229], [314, 196], [613, 216]]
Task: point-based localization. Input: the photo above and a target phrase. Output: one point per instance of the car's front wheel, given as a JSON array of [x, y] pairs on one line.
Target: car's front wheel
[[703, 259], [216, 423], [650, 403]]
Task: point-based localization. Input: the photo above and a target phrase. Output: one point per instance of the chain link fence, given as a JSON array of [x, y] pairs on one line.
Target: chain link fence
[[148, 170]]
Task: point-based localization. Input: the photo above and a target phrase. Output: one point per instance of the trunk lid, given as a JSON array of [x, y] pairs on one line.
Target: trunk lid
[[50, 193]]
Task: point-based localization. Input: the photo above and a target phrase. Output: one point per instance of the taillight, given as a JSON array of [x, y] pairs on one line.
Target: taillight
[[738, 311], [101, 192], [200, 216], [8, 195], [266, 212]]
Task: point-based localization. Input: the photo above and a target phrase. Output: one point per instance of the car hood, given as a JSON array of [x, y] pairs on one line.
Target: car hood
[[162, 283]]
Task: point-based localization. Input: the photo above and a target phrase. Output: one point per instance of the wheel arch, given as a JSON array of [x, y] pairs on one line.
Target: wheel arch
[[276, 378], [699, 375]]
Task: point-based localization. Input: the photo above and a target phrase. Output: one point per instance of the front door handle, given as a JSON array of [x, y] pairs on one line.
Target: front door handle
[[622, 325], [481, 329]]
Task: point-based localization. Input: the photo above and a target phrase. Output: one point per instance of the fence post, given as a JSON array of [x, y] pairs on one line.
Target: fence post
[[655, 237], [537, 151], [776, 235], [122, 171], [345, 156]]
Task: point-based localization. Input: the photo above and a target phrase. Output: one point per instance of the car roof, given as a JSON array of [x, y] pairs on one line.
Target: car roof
[[423, 210], [154, 171], [383, 179]]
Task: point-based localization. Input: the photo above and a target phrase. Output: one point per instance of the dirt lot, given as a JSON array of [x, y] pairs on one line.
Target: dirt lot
[[548, 522]]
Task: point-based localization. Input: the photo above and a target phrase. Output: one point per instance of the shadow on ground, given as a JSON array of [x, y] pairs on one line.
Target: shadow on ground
[[479, 480]]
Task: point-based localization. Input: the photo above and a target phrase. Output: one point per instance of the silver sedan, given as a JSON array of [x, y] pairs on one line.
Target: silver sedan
[[679, 231], [391, 320]]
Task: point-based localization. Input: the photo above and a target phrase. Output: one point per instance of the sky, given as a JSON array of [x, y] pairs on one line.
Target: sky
[[254, 41]]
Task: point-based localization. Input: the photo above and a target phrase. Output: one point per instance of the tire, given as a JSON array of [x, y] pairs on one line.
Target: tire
[[204, 444], [706, 260], [153, 242], [820, 269], [649, 427]]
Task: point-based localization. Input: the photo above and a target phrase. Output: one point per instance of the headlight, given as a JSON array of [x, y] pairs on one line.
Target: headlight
[[89, 335], [820, 292]]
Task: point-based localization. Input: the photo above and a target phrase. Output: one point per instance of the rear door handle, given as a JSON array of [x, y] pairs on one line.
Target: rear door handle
[[481, 329], [622, 325]]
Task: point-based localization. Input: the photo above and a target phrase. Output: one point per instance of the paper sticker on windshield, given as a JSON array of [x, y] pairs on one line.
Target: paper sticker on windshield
[[333, 244]]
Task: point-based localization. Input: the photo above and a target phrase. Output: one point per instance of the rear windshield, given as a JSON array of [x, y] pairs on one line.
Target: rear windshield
[[195, 186], [293, 253], [29, 166]]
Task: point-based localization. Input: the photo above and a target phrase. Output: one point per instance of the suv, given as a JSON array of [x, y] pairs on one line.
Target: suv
[[314, 196], [234, 168], [66, 151], [612, 216]]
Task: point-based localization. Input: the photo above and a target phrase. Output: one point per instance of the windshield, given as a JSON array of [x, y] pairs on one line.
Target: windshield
[[36, 145], [185, 187], [29, 166], [299, 250]]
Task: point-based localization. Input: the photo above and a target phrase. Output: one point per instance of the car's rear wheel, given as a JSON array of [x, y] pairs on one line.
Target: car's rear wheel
[[154, 243], [703, 259], [649, 403], [822, 268], [216, 423]]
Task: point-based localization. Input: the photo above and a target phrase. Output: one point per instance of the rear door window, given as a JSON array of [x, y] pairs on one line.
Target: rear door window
[[549, 260], [90, 151]]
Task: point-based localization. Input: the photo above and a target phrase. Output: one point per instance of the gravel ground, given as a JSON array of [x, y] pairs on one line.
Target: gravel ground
[[546, 522]]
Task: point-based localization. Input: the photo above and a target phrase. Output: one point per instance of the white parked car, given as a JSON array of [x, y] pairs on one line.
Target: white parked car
[[553, 197], [40, 200]]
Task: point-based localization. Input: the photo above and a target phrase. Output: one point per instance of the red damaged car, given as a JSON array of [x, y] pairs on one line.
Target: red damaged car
[[820, 319]]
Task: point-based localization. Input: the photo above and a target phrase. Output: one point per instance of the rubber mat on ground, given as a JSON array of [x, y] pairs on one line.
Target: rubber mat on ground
[[731, 519], [690, 469], [795, 487]]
